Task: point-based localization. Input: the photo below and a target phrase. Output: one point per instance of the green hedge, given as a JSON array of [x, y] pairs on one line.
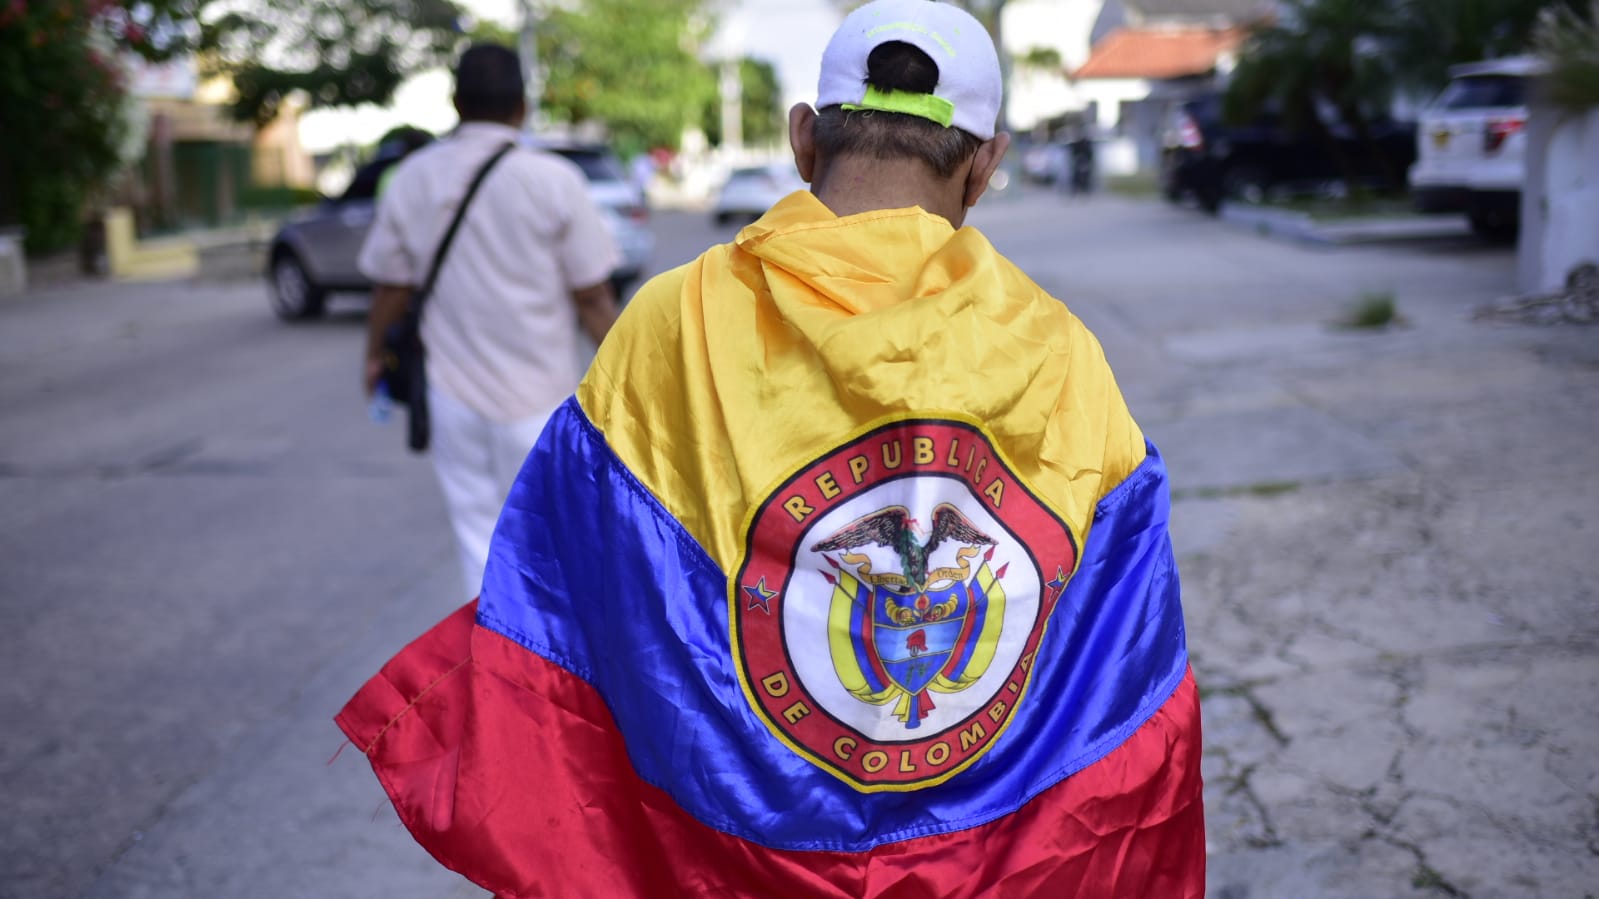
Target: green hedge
[[277, 197]]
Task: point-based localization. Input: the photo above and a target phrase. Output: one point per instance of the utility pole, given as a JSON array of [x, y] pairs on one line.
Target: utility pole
[[732, 106], [729, 45], [528, 49]]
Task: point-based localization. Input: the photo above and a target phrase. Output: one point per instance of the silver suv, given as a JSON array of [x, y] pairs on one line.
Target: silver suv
[[1470, 145], [314, 254]]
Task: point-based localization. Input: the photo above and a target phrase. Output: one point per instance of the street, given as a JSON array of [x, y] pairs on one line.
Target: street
[[1386, 539]]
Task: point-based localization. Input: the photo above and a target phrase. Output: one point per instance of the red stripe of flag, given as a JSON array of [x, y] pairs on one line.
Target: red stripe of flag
[[510, 770]]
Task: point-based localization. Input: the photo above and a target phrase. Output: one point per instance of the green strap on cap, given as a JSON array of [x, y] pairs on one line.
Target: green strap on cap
[[925, 106]]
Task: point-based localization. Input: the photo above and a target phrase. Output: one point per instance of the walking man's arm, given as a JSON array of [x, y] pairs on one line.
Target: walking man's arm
[[596, 309], [389, 302]]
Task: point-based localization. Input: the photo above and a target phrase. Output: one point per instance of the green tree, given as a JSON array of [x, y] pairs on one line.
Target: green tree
[[630, 64], [1429, 36], [1569, 43], [1349, 56], [62, 109], [1042, 58], [338, 52], [1321, 54], [761, 115]]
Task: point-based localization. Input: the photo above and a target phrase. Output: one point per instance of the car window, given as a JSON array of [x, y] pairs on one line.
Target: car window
[[364, 185], [1207, 112], [597, 165], [1205, 109], [1480, 91]]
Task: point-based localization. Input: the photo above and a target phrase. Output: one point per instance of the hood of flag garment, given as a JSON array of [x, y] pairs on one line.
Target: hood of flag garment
[[727, 372]]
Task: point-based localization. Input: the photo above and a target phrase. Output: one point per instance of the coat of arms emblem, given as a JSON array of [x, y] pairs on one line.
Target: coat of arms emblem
[[891, 600]]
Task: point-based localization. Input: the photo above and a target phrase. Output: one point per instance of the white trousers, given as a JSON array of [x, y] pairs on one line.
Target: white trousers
[[476, 460]]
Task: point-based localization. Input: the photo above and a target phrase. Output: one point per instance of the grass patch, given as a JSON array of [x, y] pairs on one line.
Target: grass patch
[[1374, 309], [1137, 185], [1357, 205]]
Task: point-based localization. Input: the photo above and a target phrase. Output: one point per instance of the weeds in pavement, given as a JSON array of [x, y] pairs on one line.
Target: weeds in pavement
[[1262, 489], [1374, 309]]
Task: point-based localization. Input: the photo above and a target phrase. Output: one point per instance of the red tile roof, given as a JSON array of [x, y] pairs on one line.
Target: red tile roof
[[1158, 52]]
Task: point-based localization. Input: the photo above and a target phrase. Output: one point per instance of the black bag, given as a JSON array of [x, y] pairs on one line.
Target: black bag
[[405, 377], [404, 358]]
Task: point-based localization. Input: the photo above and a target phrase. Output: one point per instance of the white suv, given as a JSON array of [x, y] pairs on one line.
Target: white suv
[[1469, 145]]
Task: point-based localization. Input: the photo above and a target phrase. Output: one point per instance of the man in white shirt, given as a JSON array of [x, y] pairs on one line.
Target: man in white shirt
[[530, 264]]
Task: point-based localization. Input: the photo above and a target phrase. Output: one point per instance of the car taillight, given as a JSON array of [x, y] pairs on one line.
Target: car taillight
[[639, 214], [1498, 131], [1188, 133]]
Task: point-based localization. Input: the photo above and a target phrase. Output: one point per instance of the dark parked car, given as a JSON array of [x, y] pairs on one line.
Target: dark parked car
[[1212, 161], [313, 254]]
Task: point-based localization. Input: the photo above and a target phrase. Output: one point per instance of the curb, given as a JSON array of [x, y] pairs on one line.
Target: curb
[[1301, 227]]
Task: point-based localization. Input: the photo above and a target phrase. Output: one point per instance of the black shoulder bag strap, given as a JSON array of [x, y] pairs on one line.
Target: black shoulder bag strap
[[413, 371], [420, 295]]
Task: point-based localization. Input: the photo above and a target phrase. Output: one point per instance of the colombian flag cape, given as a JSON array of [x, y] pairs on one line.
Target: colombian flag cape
[[844, 574]]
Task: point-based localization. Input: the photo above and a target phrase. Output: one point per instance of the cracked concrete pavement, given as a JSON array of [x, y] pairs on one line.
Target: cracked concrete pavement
[[1388, 547]]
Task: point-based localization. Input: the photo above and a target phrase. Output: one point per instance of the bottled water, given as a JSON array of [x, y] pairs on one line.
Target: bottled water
[[382, 405]]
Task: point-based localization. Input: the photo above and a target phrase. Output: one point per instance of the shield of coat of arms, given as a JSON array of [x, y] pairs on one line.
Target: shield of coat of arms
[[912, 632]]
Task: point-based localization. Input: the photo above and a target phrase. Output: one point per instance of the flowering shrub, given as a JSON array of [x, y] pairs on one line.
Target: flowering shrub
[[61, 96]]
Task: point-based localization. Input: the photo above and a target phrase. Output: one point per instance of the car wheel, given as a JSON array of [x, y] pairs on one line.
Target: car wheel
[[1495, 228], [1170, 189], [294, 295], [1246, 184]]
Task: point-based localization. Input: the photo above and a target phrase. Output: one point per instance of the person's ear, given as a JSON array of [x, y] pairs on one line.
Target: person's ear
[[984, 164], [802, 138]]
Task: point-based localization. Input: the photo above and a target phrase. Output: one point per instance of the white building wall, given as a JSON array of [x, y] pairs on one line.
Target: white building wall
[[1106, 95], [1061, 25], [1118, 152], [1560, 198]]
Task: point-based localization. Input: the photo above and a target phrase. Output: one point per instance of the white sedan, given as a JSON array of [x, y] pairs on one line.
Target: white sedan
[[749, 192]]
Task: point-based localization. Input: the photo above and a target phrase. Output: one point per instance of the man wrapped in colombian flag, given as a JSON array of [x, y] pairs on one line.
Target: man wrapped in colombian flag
[[845, 573]]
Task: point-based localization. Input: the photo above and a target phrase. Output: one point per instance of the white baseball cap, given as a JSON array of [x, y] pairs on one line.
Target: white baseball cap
[[967, 95]]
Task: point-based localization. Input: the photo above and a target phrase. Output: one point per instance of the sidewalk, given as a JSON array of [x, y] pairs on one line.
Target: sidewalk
[[1303, 227], [1385, 539], [231, 252]]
